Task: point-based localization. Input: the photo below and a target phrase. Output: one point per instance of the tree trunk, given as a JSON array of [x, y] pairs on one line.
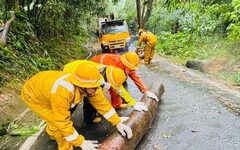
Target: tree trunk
[[3, 39], [148, 12], [139, 17], [139, 123]]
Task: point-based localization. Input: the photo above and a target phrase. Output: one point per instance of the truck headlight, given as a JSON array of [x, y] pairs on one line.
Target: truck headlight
[[128, 39], [104, 43]]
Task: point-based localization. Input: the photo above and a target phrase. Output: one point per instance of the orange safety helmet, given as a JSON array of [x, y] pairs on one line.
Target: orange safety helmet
[[115, 76], [130, 60], [87, 76]]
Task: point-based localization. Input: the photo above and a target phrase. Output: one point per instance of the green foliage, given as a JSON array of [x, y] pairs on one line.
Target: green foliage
[[131, 15], [231, 77], [19, 130], [45, 63], [4, 129], [51, 21], [47, 36], [22, 56], [1, 6], [198, 30], [234, 18], [177, 45], [190, 18], [237, 79]]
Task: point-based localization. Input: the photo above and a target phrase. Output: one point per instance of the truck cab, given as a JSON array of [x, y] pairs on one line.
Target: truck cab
[[113, 35]]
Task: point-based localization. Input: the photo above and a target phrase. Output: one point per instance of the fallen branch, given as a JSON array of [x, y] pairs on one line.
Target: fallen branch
[[3, 39]]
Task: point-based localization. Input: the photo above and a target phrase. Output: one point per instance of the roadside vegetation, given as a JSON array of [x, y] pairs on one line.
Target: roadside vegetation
[[45, 36], [200, 30]]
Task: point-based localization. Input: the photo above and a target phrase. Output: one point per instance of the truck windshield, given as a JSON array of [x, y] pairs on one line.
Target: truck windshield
[[114, 28]]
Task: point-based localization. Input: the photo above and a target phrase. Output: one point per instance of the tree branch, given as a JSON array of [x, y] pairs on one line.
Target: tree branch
[[3, 39]]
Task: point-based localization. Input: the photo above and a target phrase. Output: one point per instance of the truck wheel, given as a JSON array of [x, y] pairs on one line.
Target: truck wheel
[[103, 50], [126, 49]]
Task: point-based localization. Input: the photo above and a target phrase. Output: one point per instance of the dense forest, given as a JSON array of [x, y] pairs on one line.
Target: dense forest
[[46, 34]]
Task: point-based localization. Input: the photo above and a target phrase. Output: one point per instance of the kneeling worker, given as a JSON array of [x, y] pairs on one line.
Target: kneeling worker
[[51, 95]]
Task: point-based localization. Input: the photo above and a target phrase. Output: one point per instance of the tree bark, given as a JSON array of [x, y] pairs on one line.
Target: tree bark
[[139, 122], [148, 13], [3, 39], [138, 3]]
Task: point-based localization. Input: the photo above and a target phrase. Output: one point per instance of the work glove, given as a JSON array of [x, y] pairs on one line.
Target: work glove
[[106, 85], [89, 145], [139, 106], [123, 129], [152, 95], [119, 91], [122, 119]]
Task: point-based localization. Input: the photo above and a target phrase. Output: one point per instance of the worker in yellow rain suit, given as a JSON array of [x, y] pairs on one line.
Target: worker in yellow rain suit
[[51, 95], [150, 41], [128, 62], [114, 78]]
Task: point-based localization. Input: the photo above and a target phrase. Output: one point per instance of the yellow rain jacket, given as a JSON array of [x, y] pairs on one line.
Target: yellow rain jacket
[[148, 38], [125, 95], [71, 67], [51, 95]]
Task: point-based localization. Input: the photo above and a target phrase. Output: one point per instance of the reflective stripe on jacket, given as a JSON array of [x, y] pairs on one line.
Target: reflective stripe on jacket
[[126, 96], [53, 90], [114, 60], [71, 67]]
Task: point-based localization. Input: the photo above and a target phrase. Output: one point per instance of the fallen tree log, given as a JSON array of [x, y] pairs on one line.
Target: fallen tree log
[[139, 123]]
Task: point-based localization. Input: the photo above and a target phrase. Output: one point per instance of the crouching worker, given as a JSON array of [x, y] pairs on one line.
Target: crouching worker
[[51, 95], [113, 80], [150, 41], [129, 63]]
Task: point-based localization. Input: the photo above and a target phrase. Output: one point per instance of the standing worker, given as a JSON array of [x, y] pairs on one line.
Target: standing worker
[[150, 41], [114, 78], [51, 95], [128, 62]]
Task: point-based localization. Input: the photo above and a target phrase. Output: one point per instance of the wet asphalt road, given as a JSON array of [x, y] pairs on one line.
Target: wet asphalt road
[[194, 113]]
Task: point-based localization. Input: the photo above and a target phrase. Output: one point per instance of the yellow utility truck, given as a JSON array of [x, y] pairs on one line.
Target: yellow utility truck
[[114, 35]]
